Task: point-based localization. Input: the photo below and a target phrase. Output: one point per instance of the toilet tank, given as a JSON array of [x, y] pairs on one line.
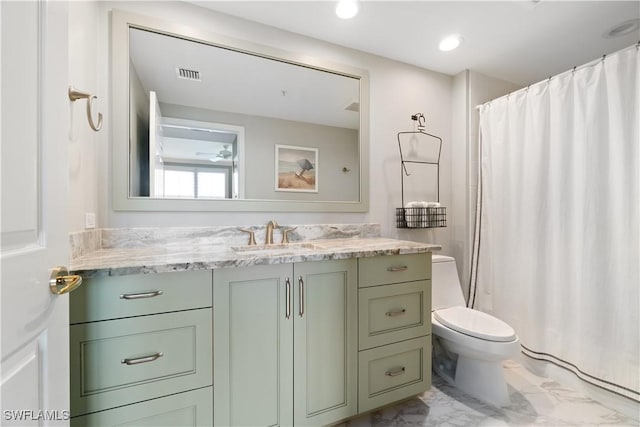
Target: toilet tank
[[445, 284]]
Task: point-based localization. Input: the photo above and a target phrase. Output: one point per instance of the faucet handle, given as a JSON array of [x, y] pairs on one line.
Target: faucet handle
[[252, 236], [285, 235]]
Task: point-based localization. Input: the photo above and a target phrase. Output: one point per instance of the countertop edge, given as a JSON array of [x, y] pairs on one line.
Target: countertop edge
[[227, 260]]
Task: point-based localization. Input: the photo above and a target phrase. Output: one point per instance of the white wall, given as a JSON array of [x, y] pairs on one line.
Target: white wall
[[397, 90], [84, 142], [469, 89], [460, 145]]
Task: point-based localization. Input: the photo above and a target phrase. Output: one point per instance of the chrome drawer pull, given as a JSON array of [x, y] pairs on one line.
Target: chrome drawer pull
[[145, 359], [301, 296], [141, 295], [395, 372], [395, 313], [287, 314], [398, 268]]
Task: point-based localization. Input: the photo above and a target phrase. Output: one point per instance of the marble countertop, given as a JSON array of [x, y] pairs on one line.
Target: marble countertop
[[182, 255]]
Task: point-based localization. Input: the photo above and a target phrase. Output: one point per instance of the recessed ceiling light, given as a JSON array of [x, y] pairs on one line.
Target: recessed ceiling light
[[347, 9], [623, 29], [450, 42]]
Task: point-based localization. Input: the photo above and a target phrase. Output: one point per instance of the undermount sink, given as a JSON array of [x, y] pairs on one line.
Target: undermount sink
[[318, 245], [275, 247]]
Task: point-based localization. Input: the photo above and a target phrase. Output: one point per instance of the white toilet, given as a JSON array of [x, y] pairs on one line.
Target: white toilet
[[468, 345]]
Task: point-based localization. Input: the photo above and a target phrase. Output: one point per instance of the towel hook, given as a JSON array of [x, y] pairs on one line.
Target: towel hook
[[75, 94]]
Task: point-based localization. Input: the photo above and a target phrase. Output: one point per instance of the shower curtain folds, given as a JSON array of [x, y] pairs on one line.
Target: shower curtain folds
[[558, 234]]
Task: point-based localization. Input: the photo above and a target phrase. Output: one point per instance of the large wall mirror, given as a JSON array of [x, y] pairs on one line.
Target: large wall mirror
[[202, 122]]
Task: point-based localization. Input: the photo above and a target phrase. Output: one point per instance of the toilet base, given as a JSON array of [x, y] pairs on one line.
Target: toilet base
[[483, 380], [479, 378]]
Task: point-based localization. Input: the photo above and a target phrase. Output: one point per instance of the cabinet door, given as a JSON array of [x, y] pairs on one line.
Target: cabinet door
[[115, 297], [394, 372], [119, 362], [384, 270], [393, 313], [325, 341], [253, 366], [191, 408]]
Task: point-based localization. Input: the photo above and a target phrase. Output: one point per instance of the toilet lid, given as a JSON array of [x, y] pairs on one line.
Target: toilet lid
[[475, 323]]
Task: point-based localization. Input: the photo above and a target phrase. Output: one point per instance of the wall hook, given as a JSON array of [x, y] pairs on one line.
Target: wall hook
[[419, 117], [75, 94]]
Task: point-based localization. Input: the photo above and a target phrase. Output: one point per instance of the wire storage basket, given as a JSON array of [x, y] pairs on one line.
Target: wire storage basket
[[431, 217], [420, 214]]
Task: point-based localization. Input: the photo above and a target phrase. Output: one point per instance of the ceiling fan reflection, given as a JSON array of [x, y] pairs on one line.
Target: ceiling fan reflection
[[223, 154]]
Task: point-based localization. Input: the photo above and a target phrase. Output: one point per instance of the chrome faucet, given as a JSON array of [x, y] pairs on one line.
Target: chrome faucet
[[268, 237]]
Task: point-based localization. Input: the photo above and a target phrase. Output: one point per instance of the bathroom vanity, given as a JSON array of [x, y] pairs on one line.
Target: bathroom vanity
[[284, 328], [308, 333], [143, 339]]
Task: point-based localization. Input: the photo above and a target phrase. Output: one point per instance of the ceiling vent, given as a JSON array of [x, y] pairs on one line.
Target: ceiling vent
[[187, 74]]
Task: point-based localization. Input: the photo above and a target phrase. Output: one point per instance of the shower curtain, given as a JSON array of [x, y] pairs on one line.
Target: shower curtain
[[557, 251]]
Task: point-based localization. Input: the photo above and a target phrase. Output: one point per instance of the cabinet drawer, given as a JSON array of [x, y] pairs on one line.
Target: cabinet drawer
[[384, 270], [394, 372], [124, 361], [191, 408], [394, 313], [115, 297]]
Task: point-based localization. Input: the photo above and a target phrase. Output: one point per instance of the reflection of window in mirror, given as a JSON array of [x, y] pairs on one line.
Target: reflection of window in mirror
[[200, 182]]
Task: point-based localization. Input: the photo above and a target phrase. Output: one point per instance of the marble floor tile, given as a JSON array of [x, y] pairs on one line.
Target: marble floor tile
[[535, 401]]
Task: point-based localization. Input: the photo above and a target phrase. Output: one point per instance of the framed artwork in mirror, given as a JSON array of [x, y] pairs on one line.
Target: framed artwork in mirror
[[296, 168]]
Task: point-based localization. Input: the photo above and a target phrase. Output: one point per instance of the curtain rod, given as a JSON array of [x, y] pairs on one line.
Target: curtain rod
[[573, 70]]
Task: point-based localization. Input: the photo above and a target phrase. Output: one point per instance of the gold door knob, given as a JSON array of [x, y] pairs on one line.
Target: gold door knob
[[61, 282]]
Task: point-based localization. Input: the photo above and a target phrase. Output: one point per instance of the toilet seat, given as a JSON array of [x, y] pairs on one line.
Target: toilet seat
[[475, 323]]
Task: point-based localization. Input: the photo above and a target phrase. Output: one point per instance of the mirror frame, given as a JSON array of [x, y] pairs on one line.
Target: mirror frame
[[120, 24]]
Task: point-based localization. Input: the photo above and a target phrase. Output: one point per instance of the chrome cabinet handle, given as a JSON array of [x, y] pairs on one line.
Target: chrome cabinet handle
[[395, 313], [287, 283], [301, 296], [145, 359], [141, 295], [395, 372], [397, 268]]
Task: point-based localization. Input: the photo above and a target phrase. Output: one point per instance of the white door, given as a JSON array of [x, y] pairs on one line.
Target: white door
[[156, 148], [34, 120]]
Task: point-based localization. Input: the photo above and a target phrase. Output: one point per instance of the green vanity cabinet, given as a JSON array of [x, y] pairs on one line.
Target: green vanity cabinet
[[190, 408], [141, 350], [325, 343], [394, 310], [290, 344], [285, 344], [253, 354]]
